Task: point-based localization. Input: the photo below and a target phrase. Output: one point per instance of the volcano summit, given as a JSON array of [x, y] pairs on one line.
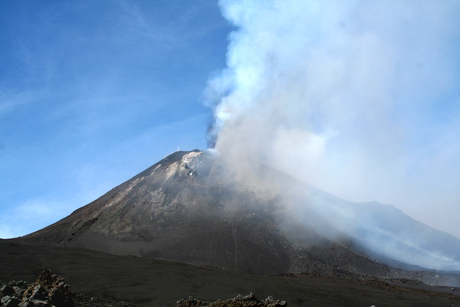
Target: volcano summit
[[189, 208]]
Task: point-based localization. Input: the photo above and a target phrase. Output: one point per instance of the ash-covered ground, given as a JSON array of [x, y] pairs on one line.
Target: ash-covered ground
[[148, 282]]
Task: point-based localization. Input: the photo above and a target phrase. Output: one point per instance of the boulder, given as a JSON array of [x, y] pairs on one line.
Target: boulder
[[49, 290]]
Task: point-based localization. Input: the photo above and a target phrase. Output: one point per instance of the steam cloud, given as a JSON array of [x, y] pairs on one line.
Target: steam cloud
[[359, 98]]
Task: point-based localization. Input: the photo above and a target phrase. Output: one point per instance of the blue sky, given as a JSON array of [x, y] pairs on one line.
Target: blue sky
[[92, 93]]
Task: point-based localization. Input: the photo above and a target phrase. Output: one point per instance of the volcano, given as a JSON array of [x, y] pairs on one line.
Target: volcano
[[189, 208]]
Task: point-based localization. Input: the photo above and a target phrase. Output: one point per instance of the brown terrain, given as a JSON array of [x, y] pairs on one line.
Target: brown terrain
[[185, 227]]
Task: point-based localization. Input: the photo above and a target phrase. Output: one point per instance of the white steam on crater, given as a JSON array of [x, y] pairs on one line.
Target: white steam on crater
[[359, 98]]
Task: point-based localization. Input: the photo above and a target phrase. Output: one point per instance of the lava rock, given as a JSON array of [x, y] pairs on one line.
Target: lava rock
[[10, 301], [239, 301], [48, 290]]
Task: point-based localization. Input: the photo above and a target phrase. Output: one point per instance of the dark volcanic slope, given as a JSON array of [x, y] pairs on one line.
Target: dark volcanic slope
[[178, 210], [186, 209], [161, 283]]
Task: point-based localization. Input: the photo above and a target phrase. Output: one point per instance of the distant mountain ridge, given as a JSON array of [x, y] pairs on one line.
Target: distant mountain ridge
[[387, 231], [187, 208]]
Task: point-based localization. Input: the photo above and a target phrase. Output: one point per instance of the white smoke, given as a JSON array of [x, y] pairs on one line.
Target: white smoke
[[359, 98]]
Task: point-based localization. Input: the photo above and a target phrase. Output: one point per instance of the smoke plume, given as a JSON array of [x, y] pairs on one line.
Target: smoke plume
[[358, 98]]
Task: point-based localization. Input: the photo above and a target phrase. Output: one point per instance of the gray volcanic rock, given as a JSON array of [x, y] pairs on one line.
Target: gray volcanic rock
[[48, 290], [188, 208], [239, 301]]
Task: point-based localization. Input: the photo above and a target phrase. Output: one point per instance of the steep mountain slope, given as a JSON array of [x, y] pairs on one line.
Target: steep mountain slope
[[189, 208]]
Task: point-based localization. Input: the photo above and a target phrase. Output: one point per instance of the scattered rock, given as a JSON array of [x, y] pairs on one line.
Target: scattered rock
[[48, 290], [239, 301], [10, 301]]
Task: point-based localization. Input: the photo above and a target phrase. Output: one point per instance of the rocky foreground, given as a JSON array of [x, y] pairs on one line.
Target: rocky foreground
[[50, 290], [239, 301], [47, 291]]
